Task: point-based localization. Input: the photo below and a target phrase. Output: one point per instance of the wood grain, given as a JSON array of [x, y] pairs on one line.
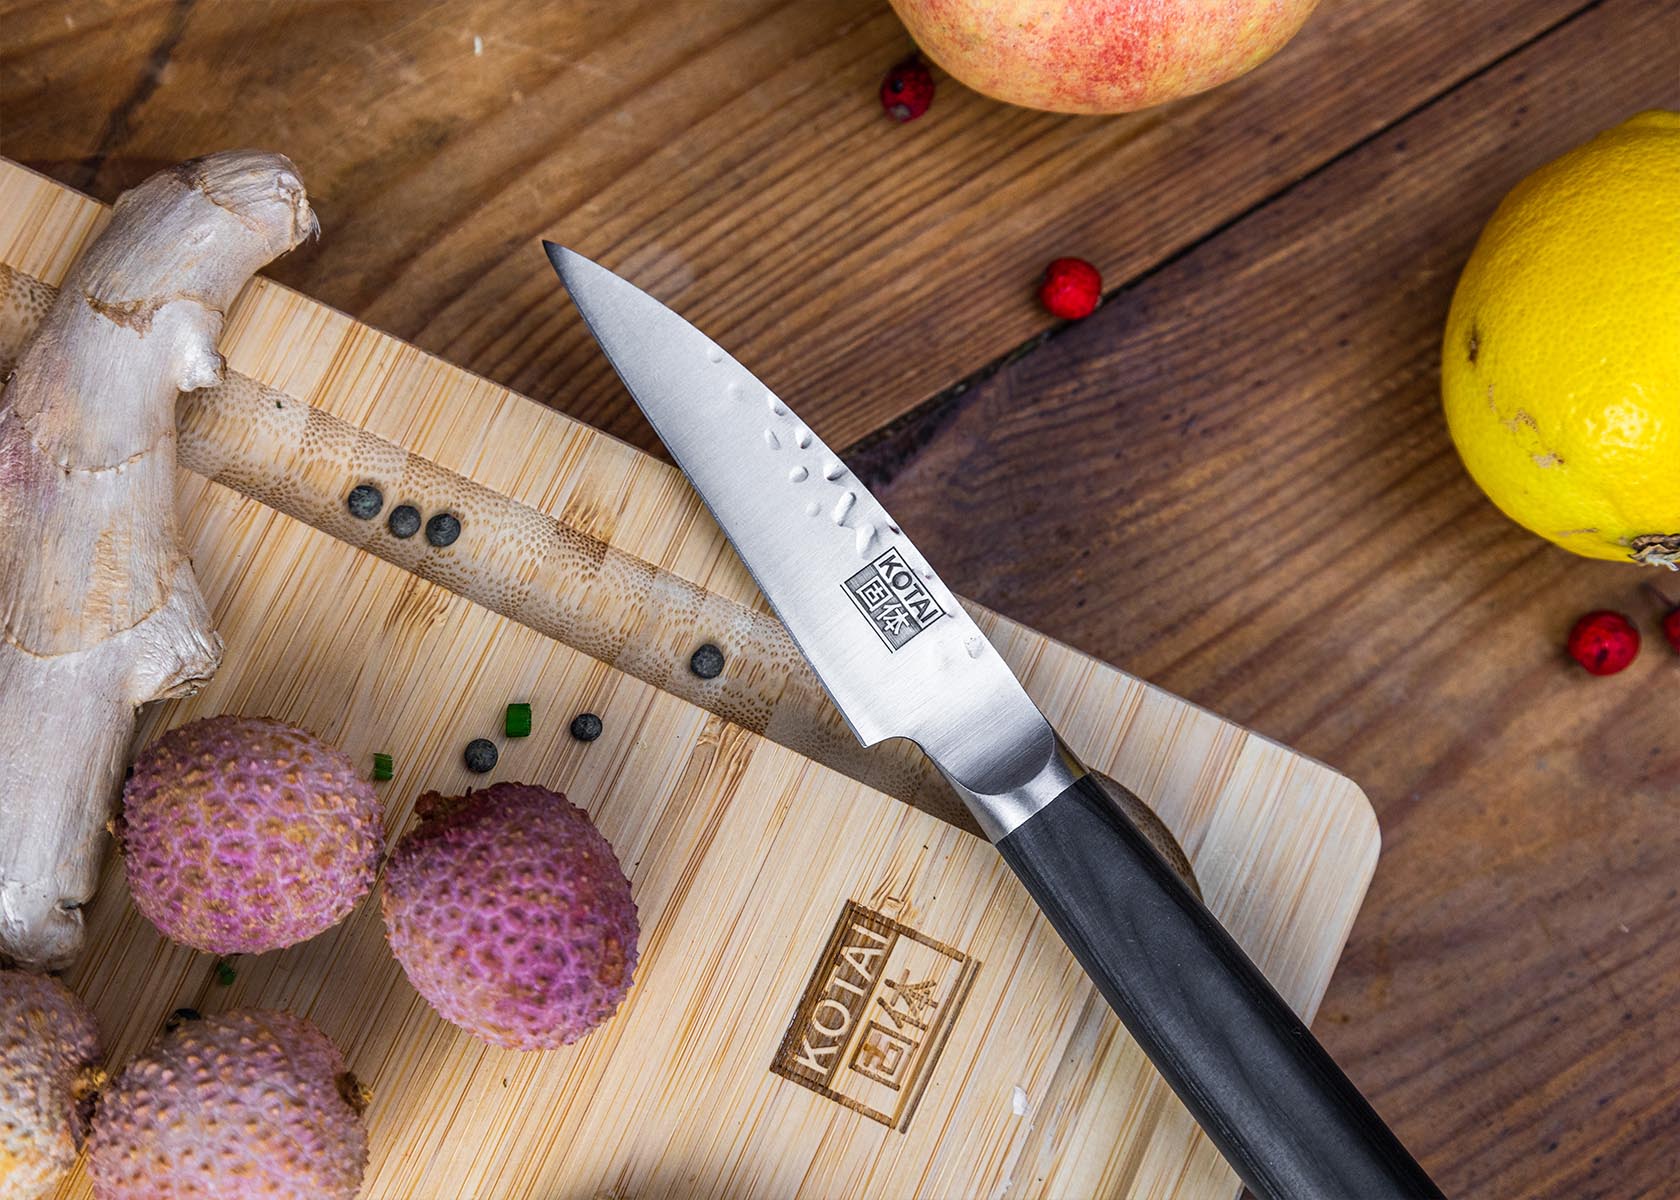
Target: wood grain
[[1254, 501], [731, 156], [1510, 994], [742, 853]]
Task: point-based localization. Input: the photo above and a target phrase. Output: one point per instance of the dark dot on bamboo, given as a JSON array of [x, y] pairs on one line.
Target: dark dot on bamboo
[[707, 662], [443, 529], [404, 521], [364, 502]]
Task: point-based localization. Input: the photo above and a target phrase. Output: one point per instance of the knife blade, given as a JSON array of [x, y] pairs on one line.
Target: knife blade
[[901, 658]]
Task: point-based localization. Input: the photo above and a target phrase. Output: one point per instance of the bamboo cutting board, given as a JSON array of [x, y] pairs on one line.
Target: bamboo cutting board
[[839, 995]]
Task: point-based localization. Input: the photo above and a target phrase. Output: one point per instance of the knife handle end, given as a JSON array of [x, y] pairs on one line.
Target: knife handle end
[[1251, 1073]]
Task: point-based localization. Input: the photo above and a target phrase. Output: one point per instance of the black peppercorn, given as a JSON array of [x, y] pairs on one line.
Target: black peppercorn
[[364, 501], [404, 521], [707, 662], [586, 727], [480, 755], [179, 1017], [443, 529]]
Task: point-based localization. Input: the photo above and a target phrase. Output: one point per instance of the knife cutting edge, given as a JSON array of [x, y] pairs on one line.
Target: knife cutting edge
[[901, 658]]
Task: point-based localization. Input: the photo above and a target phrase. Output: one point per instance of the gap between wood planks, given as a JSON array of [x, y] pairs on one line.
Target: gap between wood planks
[[117, 126], [878, 457]]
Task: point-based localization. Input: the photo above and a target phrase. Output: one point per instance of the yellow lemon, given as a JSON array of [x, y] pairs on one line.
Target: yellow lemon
[[1561, 365]]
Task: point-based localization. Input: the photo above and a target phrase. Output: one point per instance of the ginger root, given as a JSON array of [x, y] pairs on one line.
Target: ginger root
[[99, 609]]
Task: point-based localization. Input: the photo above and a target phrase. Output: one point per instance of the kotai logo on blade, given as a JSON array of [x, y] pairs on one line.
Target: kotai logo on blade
[[894, 600]]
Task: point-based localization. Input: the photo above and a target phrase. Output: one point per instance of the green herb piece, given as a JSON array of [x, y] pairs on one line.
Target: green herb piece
[[225, 974], [518, 720], [381, 767]]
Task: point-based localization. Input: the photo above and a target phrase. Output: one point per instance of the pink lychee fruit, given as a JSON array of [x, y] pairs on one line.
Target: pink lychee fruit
[[245, 834], [250, 1103], [49, 1072], [510, 914]]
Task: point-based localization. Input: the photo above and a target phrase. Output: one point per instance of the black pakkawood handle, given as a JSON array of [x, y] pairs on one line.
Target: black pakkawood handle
[[1251, 1073]]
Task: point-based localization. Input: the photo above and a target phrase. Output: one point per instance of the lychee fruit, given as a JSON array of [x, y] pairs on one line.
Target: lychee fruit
[[251, 1103], [245, 834], [510, 914], [49, 1072]]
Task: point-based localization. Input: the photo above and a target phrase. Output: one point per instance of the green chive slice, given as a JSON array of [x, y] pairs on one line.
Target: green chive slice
[[518, 722], [381, 767]]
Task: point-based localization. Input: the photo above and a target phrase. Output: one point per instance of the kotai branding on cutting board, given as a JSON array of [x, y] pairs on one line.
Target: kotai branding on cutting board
[[875, 1015]]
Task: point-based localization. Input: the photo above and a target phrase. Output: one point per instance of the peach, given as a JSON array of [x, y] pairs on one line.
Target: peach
[[1099, 56]]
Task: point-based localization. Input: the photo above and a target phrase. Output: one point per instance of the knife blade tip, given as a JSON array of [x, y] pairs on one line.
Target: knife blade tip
[[557, 255], [577, 273]]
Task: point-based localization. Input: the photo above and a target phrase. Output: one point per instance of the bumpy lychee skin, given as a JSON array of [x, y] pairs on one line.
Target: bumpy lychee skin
[[510, 914], [49, 1070], [251, 1104], [245, 834]]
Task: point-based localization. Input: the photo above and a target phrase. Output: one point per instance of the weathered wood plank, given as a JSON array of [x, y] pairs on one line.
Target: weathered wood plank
[[1235, 480], [731, 155]]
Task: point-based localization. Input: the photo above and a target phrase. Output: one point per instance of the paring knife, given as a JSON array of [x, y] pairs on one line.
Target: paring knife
[[902, 659]]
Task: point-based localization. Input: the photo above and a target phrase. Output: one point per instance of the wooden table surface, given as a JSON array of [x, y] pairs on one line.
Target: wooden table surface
[[1233, 480]]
